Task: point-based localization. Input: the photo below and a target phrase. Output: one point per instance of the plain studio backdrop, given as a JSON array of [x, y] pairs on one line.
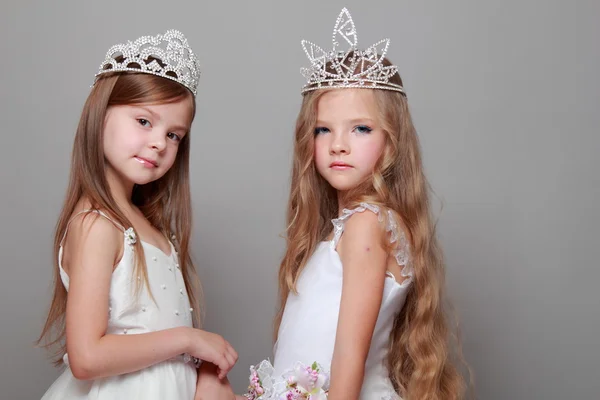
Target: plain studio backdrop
[[505, 96]]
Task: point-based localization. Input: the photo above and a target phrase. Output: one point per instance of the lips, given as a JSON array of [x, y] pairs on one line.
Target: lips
[[146, 162], [339, 165]]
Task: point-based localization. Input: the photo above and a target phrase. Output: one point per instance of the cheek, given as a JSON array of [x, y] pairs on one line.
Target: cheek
[[169, 157], [371, 151], [321, 150], [112, 145], [124, 141]]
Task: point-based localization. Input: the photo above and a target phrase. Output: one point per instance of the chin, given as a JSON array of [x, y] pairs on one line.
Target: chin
[[143, 180], [342, 185]]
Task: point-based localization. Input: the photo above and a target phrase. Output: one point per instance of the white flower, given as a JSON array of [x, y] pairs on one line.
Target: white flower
[[310, 382], [130, 237], [298, 383]]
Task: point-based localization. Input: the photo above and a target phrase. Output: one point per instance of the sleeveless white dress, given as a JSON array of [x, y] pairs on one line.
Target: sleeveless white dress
[[308, 327], [128, 315]]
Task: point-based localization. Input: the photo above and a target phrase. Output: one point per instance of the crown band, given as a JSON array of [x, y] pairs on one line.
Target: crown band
[[362, 84]]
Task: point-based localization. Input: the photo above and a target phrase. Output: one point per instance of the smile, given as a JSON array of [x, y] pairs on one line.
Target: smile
[[145, 162]]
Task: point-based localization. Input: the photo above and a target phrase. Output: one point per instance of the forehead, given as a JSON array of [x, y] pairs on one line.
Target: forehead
[[347, 103]]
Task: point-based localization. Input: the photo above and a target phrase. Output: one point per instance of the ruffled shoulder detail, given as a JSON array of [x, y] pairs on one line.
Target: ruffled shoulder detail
[[397, 236]]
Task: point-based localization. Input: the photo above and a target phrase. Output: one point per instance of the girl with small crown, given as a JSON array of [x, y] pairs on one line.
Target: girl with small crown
[[362, 280], [124, 313]]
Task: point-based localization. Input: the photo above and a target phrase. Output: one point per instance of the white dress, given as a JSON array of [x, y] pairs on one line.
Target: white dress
[[171, 379], [308, 327]]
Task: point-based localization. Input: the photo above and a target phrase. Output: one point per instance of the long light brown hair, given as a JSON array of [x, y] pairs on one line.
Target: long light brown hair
[[420, 359], [165, 202]]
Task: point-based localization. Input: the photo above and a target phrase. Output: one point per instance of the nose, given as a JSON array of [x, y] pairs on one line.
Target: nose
[[339, 144], [158, 142]]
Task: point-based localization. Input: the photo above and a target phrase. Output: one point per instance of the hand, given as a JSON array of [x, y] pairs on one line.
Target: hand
[[209, 386], [214, 349]]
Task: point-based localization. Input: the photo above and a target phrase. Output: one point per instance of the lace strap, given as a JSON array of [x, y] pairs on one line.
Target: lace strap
[[338, 223], [397, 237], [101, 213]]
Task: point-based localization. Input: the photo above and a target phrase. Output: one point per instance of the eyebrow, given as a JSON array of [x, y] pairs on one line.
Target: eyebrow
[[180, 128], [352, 121], [365, 119], [149, 111]]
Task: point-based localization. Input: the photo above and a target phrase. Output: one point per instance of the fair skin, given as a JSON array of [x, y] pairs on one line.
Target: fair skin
[[364, 263], [210, 387], [140, 145], [348, 139], [348, 143]]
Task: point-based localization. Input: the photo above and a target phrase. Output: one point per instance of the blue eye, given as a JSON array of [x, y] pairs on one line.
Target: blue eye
[[144, 122], [320, 129], [363, 129], [173, 136]]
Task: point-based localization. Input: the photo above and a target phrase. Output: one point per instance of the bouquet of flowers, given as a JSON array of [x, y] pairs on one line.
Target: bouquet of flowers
[[299, 383]]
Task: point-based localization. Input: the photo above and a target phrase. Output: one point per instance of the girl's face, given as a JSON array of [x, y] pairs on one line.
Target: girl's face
[[141, 141], [348, 138]]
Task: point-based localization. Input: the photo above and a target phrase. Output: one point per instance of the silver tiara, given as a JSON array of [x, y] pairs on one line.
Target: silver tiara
[[351, 68], [167, 55]]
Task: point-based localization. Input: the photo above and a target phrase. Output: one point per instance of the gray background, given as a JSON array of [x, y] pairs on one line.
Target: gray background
[[505, 95]]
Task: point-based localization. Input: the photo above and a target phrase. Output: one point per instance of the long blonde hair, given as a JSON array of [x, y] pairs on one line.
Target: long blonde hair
[[419, 359], [165, 202]]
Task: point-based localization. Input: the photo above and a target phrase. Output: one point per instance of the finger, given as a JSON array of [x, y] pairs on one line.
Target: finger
[[226, 370], [224, 367], [231, 360], [234, 354], [231, 351], [217, 356]]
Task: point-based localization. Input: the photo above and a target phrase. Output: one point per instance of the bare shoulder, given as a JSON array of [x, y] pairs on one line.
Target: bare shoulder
[[363, 238], [92, 235], [363, 227], [92, 226]]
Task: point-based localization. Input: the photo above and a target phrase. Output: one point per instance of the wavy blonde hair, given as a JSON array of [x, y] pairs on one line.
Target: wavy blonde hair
[[166, 202], [420, 362]]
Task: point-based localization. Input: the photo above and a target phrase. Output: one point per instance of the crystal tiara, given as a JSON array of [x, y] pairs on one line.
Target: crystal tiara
[[167, 55], [350, 68]]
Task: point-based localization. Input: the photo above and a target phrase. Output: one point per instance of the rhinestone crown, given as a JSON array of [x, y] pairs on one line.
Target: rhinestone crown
[[351, 68], [167, 55]]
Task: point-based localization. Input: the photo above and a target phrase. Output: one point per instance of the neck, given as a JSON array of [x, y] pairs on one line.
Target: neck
[[120, 189], [341, 202]]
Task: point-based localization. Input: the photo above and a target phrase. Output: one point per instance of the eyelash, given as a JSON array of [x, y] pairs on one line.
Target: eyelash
[[142, 120], [366, 129], [177, 137], [170, 135], [362, 129]]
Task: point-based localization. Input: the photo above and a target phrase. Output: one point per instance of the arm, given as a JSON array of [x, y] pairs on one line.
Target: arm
[[210, 387], [94, 246], [364, 261]]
